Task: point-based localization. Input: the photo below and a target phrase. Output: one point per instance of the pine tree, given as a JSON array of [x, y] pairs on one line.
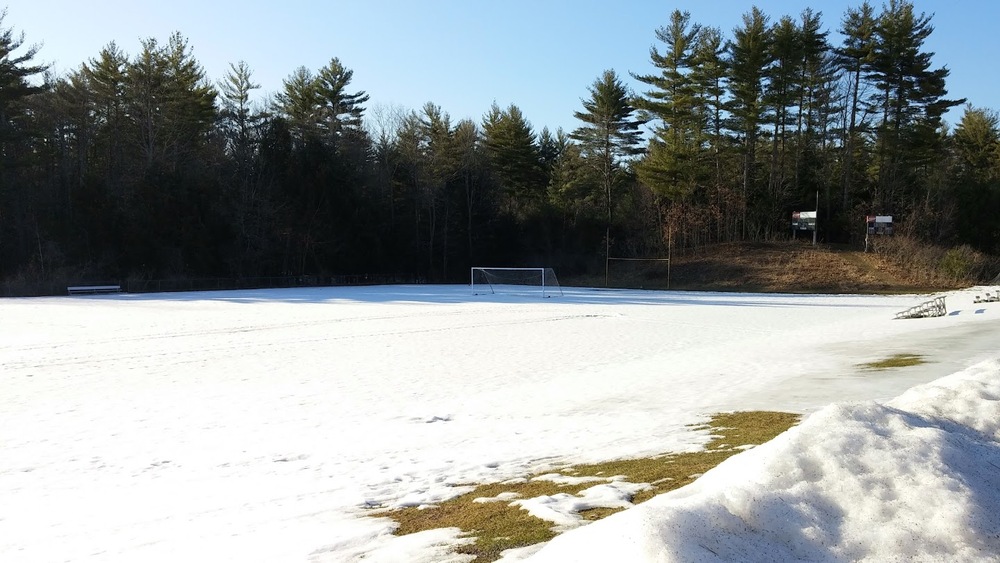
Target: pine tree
[[610, 134], [299, 103], [750, 56], [672, 168], [437, 168], [339, 110], [977, 173], [576, 187], [781, 95], [16, 70], [910, 98], [251, 210], [237, 116], [319, 107], [709, 74], [170, 100], [471, 170], [854, 57], [817, 103], [514, 159], [106, 78]]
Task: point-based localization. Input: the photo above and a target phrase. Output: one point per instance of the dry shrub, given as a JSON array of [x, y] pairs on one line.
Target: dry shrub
[[931, 264]]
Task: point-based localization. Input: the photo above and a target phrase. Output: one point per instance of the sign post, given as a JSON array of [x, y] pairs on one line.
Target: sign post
[[878, 225], [815, 217], [806, 220]]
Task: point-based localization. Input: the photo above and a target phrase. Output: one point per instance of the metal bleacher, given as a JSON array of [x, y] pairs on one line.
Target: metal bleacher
[[933, 308]]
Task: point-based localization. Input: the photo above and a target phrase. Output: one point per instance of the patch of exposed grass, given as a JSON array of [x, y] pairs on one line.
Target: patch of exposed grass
[[496, 525], [592, 514], [664, 473], [895, 361], [748, 428]]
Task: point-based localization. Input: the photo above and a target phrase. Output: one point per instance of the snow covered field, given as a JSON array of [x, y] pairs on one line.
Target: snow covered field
[[259, 425]]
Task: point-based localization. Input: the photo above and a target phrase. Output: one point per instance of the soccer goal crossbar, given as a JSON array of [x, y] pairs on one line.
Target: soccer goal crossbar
[[639, 259], [524, 281]]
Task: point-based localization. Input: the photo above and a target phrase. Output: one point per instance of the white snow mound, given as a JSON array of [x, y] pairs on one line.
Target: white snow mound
[[916, 478]]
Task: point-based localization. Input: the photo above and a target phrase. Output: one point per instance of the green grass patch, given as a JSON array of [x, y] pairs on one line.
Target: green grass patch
[[497, 526], [895, 361]]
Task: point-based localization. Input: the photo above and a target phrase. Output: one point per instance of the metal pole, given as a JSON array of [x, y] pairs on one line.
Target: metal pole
[[816, 224], [670, 235], [607, 254]]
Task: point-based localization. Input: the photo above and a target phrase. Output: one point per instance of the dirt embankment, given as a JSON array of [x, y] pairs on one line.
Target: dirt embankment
[[789, 267]]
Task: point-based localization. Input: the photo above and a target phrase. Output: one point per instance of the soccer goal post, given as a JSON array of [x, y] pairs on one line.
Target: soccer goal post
[[635, 261], [515, 281]]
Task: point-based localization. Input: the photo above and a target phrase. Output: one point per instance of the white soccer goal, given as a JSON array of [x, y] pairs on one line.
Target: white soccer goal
[[638, 270], [519, 281]]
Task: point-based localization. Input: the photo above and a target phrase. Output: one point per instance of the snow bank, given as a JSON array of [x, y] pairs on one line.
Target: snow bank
[[916, 478]]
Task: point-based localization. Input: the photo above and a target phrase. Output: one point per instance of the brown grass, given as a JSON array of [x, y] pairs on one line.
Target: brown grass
[[783, 267], [895, 361], [499, 525]]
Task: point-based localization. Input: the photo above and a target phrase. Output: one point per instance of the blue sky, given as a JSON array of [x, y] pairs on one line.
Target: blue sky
[[462, 55]]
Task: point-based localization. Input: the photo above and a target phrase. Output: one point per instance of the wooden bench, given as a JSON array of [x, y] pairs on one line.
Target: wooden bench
[[93, 289]]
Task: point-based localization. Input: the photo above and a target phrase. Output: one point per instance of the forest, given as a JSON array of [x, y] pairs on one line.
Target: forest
[[140, 167]]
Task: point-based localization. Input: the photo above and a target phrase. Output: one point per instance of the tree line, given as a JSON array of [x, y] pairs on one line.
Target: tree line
[[138, 165]]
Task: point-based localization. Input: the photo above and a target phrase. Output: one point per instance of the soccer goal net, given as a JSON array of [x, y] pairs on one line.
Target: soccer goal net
[[643, 273], [521, 281]]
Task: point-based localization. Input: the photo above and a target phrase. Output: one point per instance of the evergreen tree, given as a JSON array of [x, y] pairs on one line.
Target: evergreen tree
[[549, 148], [672, 168], [250, 208], [514, 159], [15, 71], [17, 218], [170, 100], [238, 120], [709, 74], [440, 168], [977, 174], [172, 199], [750, 56], [63, 116], [909, 99], [781, 95], [339, 109], [318, 106], [817, 104], [854, 57], [977, 143], [115, 132], [299, 104], [576, 186], [610, 134], [477, 200]]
